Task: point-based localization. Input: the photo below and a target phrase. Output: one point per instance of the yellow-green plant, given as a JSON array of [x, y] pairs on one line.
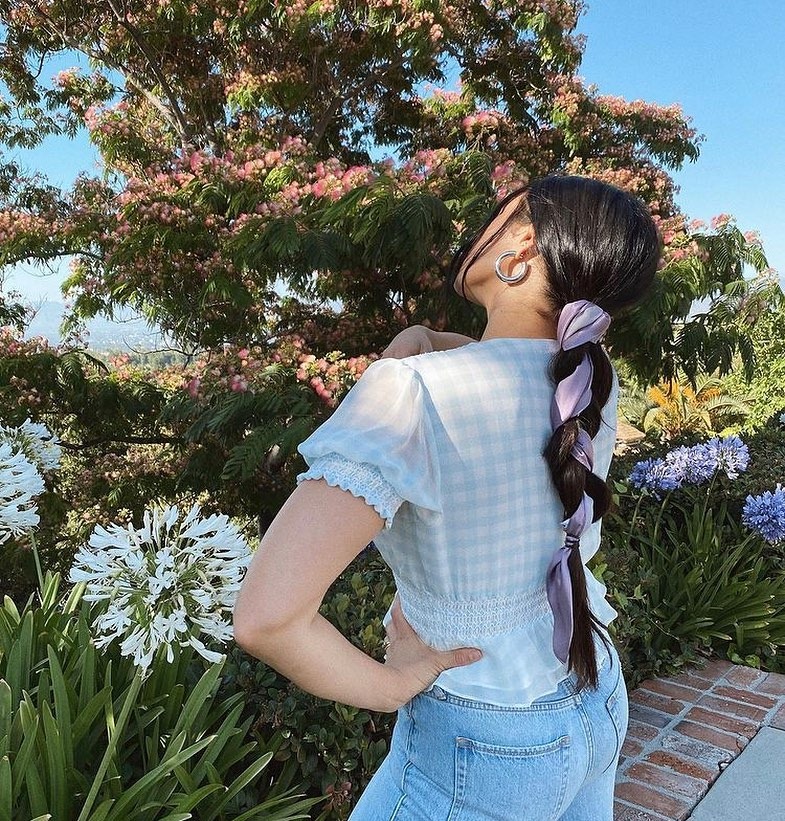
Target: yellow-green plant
[[678, 408]]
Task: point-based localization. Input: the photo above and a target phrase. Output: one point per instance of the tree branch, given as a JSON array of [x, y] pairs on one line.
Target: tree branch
[[99, 55], [126, 440], [155, 102], [339, 99], [144, 48]]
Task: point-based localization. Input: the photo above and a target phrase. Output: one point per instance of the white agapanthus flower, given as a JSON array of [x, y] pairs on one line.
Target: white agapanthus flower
[[36, 441], [20, 484], [163, 583]]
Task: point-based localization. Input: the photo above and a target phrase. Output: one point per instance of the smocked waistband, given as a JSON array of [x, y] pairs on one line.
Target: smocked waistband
[[442, 618]]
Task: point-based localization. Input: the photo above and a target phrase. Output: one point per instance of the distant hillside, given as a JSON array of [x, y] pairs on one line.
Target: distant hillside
[[128, 333]]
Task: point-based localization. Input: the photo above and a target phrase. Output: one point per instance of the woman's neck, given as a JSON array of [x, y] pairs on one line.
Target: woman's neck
[[513, 321]]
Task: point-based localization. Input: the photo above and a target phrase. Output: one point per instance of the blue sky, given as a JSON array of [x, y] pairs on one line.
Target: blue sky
[[722, 61]]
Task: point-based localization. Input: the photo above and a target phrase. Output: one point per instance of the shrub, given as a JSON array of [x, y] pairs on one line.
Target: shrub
[[78, 727], [686, 577]]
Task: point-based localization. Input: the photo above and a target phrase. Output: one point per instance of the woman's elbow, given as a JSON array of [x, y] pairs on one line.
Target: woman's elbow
[[246, 633], [256, 631]]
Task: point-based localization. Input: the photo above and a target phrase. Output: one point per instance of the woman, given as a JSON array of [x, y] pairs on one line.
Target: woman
[[478, 469]]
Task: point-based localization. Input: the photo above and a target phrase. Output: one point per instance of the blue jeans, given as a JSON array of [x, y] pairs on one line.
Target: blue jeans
[[455, 759]]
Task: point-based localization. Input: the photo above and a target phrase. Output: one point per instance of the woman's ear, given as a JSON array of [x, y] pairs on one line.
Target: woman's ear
[[522, 235]]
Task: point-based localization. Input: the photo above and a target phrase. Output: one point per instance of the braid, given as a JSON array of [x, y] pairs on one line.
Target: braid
[[572, 479]]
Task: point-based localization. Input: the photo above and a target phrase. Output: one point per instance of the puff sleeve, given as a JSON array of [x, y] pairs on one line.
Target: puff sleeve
[[379, 442]]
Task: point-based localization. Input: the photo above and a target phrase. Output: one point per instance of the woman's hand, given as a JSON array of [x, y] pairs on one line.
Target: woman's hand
[[419, 339], [409, 342], [414, 664]]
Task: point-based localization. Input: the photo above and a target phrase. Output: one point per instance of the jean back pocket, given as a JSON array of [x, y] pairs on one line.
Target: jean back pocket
[[501, 782]]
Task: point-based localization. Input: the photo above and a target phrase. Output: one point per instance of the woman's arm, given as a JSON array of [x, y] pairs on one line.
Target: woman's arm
[[318, 531], [418, 339]]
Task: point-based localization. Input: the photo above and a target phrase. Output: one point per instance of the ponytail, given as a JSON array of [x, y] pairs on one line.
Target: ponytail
[[583, 375]]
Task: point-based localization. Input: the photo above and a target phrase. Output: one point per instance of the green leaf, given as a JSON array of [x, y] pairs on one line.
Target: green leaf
[[85, 719], [149, 781], [199, 695], [6, 790], [24, 755], [192, 800], [35, 791], [240, 783], [62, 707], [6, 710], [57, 768]]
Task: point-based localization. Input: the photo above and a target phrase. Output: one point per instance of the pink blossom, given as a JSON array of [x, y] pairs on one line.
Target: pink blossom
[[720, 221]]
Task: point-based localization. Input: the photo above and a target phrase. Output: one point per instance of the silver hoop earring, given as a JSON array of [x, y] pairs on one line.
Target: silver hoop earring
[[523, 265]]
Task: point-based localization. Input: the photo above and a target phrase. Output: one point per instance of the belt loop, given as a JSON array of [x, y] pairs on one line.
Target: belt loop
[[572, 689]]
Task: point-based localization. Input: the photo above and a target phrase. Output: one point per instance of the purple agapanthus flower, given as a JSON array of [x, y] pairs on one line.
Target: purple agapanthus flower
[[765, 514], [730, 455], [655, 475], [692, 465]]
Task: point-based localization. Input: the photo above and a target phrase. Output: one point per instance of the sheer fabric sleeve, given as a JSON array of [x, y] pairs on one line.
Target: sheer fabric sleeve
[[606, 436], [379, 443]]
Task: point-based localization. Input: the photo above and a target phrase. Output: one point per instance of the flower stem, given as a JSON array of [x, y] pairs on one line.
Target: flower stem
[[659, 516], [37, 560], [634, 518], [113, 740]]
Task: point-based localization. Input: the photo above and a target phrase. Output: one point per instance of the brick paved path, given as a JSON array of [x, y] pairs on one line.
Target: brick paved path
[[684, 731]]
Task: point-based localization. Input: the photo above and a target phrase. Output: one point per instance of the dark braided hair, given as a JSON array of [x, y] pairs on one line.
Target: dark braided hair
[[598, 243]]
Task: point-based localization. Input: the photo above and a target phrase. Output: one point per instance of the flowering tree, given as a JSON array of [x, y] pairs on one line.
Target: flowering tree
[[249, 145], [243, 144]]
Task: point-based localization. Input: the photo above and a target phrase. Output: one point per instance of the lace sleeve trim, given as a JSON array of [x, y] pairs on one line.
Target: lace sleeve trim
[[363, 480]]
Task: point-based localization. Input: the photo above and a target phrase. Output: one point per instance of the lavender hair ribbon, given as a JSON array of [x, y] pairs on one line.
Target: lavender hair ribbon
[[558, 582], [583, 449], [573, 394], [579, 322]]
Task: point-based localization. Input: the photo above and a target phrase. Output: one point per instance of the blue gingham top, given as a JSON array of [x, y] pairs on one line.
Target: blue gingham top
[[447, 447]]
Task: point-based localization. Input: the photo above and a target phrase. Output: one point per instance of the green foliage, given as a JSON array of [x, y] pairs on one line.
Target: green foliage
[[12, 312], [336, 748], [242, 437], [661, 337], [765, 391], [766, 469], [687, 579], [175, 744]]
